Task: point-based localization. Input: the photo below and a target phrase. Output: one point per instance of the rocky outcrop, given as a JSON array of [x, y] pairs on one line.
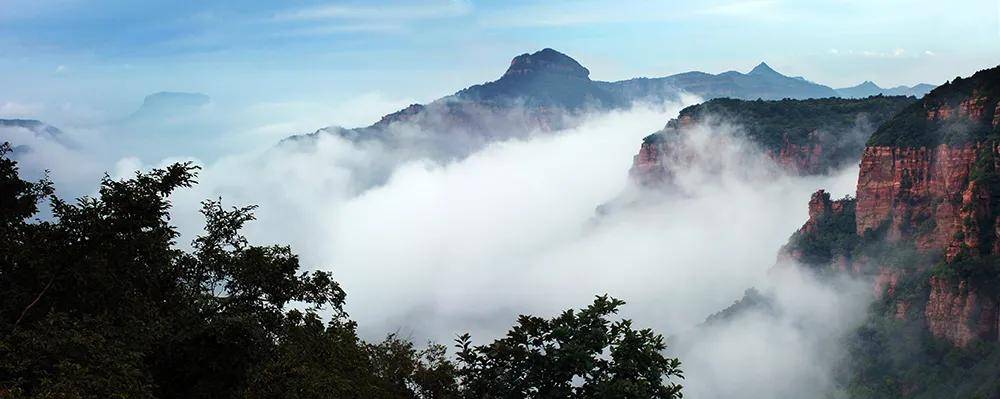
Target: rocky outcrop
[[929, 187], [806, 159], [959, 314], [802, 137], [931, 197], [928, 195], [648, 168], [546, 61], [824, 240], [996, 116], [923, 194], [820, 207]]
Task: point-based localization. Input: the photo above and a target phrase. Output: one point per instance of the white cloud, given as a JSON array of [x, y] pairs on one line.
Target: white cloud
[[398, 11], [447, 247], [574, 13], [12, 109], [465, 245]]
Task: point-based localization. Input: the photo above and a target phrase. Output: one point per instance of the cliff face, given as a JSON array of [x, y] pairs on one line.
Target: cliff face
[[927, 211], [926, 195], [803, 137], [960, 314], [805, 159], [923, 197]]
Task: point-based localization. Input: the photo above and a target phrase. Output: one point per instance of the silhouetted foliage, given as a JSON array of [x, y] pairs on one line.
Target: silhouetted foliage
[[577, 354], [99, 302]]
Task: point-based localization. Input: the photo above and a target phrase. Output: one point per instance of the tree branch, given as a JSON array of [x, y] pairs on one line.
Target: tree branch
[[37, 298]]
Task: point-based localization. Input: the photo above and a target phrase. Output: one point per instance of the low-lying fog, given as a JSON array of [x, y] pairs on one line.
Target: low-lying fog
[[445, 248]]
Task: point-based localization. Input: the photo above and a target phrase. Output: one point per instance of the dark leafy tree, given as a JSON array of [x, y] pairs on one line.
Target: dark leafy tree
[[577, 354], [98, 302]]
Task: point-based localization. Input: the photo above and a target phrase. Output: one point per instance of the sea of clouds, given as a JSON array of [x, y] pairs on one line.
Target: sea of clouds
[[442, 247]]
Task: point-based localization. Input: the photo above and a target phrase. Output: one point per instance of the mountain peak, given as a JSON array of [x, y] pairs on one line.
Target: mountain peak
[[546, 61], [869, 84], [763, 69], [170, 104]]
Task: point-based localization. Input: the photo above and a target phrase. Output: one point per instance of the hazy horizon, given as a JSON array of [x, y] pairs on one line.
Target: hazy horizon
[[79, 63]]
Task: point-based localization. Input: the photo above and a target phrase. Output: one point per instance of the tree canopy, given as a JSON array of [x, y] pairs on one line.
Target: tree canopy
[[100, 302]]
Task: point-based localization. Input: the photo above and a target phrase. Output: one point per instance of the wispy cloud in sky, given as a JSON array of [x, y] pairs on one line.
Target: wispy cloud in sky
[[560, 13], [393, 11], [260, 49], [742, 8]]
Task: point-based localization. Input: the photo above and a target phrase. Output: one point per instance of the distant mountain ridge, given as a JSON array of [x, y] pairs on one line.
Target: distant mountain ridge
[[542, 90], [539, 92], [38, 127], [869, 88], [167, 104]]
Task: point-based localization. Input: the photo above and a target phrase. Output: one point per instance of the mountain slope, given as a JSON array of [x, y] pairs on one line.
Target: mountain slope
[[925, 227], [37, 127], [169, 105], [546, 89], [19, 132], [546, 78], [802, 136], [869, 88], [761, 82]]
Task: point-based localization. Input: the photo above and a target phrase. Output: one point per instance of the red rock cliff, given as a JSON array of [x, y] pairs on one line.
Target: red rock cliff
[[649, 167], [959, 314], [926, 195], [929, 177]]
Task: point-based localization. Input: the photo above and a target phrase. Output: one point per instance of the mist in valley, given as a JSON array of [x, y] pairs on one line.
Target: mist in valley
[[440, 246]]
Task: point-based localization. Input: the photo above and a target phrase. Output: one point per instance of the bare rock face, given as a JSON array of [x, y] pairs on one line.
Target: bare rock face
[[648, 168], [996, 116], [821, 206], [929, 183], [546, 61], [973, 107], [924, 195], [932, 197], [959, 314], [804, 159]]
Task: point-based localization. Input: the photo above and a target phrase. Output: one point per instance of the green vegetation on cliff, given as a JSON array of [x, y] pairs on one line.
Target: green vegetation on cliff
[[891, 357], [837, 127], [915, 126], [833, 236], [773, 123]]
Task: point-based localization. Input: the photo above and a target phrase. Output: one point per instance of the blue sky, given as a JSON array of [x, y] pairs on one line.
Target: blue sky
[[74, 59]]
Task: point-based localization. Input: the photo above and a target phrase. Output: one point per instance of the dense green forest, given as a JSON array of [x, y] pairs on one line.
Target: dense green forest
[[894, 354], [772, 123], [99, 302], [912, 127], [892, 357]]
